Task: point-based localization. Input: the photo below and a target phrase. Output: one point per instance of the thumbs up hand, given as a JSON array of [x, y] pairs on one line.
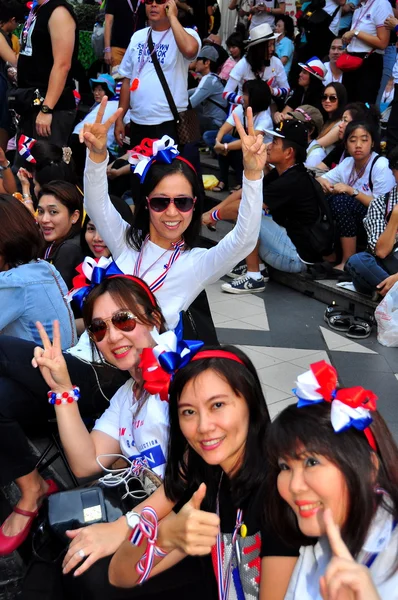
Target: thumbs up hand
[[192, 530], [344, 579]]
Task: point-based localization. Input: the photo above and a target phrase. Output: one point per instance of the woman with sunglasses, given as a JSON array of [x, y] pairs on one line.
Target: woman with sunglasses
[[215, 479], [161, 246], [334, 489]]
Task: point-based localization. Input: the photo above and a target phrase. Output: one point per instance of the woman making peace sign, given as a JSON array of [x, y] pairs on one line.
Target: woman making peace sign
[[160, 247]]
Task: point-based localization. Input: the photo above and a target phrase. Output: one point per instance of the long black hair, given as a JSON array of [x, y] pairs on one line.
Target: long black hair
[[259, 94], [258, 57], [137, 233], [308, 430], [184, 465]]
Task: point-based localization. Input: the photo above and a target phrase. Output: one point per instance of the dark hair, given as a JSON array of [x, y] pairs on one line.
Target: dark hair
[[184, 465], [367, 112], [258, 57], [20, 237], [129, 294], [300, 153], [289, 25], [393, 158], [352, 125], [259, 94], [235, 39], [123, 210], [136, 234], [50, 165], [341, 94], [69, 196], [308, 429], [312, 95], [104, 88], [12, 8]]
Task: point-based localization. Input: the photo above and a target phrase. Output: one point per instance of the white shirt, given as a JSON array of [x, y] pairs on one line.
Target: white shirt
[[315, 154], [382, 177], [143, 434], [313, 561], [395, 71], [329, 77], [330, 7], [261, 122], [274, 75], [367, 18], [262, 17], [148, 102], [195, 268]]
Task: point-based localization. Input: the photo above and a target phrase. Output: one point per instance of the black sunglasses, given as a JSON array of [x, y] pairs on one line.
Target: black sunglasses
[[149, 2], [124, 320], [161, 203], [332, 97]]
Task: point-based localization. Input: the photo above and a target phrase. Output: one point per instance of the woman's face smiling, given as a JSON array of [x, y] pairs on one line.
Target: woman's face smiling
[[310, 484], [214, 420], [95, 241], [54, 219], [121, 348], [169, 226], [304, 78]]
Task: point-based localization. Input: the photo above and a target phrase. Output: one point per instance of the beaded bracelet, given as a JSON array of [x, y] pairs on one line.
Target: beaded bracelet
[[215, 215], [146, 528], [107, 49], [65, 398]]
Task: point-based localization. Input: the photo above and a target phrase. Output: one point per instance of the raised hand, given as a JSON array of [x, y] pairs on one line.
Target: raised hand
[[253, 147], [50, 360], [95, 135], [192, 530], [344, 579]]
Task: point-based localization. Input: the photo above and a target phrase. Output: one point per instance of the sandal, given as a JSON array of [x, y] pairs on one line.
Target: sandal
[[359, 329], [236, 188], [338, 318], [219, 188]]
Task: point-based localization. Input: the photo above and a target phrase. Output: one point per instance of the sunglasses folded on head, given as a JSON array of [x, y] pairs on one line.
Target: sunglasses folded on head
[[161, 203], [124, 320]]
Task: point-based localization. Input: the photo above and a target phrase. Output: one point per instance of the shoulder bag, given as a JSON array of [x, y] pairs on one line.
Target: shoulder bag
[[187, 122]]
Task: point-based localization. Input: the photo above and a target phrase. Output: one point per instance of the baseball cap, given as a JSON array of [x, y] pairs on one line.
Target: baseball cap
[[292, 130], [209, 53], [308, 114], [106, 80]]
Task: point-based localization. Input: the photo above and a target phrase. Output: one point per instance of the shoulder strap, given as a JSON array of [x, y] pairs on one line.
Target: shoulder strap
[[162, 79], [335, 12], [376, 158]]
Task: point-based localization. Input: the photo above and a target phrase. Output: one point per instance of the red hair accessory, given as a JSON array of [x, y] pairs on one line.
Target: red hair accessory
[[150, 151], [217, 354]]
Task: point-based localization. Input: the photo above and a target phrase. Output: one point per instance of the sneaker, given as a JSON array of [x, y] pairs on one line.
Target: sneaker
[[241, 269], [244, 285]]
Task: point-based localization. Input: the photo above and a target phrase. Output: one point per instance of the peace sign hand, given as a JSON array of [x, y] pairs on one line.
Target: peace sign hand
[[51, 361], [253, 148], [344, 579], [95, 135]]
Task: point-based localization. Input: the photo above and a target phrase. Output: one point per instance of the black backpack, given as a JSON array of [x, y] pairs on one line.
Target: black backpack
[[321, 234]]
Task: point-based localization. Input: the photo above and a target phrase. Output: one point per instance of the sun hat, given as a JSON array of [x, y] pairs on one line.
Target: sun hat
[[307, 114], [209, 53], [314, 66], [261, 33], [292, 130], [106, 80]]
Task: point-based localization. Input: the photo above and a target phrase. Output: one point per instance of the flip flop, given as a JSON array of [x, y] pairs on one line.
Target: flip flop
[[359, 329], [219, 188]]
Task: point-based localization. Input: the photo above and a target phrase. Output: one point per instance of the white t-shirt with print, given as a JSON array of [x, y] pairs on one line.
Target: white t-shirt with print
[[330, 7], [261, 122], [148, 103], [142, 435], [368, 18], [382, 178], [275, 75]]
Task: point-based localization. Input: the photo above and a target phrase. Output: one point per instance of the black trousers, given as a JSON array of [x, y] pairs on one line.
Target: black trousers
[[24, 409], [363, 84]]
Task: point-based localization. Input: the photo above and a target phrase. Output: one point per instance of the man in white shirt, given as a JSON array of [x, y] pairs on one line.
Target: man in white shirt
[[332, 72], [320, 35], [142, 92]]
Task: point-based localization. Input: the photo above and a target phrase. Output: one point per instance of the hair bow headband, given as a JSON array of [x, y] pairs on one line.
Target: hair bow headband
[[95, 271], [160, 364], [350, 407], [163, 151]]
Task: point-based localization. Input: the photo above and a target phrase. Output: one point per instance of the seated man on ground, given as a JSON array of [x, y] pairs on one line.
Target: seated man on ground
[[293, 206], [377, 268]]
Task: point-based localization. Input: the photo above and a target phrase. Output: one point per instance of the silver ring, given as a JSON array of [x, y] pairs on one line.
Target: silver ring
[[81, 553]]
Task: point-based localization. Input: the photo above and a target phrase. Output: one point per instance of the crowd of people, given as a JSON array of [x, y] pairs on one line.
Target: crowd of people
[[104, 311]]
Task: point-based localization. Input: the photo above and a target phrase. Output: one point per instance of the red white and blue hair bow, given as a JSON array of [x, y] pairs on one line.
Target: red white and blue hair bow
[[91, 272], [350, 407], [25, 145], [159, 364], [149, 151]]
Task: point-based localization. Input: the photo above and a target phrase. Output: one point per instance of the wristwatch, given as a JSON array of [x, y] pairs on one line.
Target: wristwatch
[[356, 33], [133, 519], [5, 167], [355, 194], [46, 109]]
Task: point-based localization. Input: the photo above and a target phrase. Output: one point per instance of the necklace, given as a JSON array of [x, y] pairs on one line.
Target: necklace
[[136, 81], [30, 20], [159, 281], [356, 175]]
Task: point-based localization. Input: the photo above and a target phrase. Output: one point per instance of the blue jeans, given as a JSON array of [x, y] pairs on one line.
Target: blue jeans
[[390, 55], [277, 249], [366, 272], [233, 158]]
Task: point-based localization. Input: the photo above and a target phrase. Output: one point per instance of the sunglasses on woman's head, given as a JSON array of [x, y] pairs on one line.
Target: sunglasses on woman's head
[[332, 97], [124, 320], [161, 203], [149, 2]]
